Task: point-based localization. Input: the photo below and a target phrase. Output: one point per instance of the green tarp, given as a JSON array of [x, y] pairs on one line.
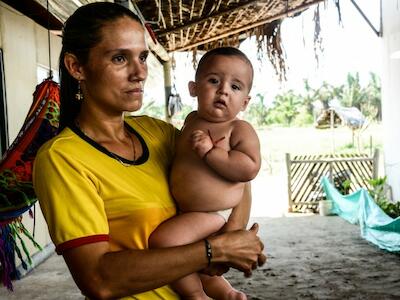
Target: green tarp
[[359, 208]]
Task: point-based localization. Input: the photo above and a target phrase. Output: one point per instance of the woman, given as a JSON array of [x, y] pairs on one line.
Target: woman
[[102, 182]]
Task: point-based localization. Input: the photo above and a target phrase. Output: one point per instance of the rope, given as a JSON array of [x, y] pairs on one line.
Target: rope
[[48, 39]]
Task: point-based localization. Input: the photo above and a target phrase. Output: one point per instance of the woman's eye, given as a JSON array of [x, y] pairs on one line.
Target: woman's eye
[[119, 59]]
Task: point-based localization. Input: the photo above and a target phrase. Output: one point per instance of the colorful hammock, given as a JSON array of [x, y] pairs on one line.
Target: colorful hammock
[[16, 189], [359, 208]]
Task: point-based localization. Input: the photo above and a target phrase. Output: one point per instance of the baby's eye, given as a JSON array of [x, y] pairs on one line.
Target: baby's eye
[[213, 80], [236, 87], [119, 59]]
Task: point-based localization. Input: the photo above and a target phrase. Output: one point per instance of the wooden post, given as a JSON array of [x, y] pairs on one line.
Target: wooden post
[[375, 170], [370, 145], [330, 172], [167, 86], [332, 123], [289, 183]]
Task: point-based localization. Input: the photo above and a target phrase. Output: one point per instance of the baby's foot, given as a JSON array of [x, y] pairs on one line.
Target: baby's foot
[[235, 295], [196, 297]]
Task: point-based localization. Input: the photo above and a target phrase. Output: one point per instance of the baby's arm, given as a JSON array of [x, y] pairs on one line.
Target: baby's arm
[[241, 163]]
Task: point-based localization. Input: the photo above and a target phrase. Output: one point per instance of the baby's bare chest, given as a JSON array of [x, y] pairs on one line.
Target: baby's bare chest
[[219, 133]]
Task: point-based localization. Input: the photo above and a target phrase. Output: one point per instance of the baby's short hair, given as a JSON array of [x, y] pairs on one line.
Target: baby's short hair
[[224, 51]]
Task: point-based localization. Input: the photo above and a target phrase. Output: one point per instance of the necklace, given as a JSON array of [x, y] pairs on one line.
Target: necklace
[[113, 155]]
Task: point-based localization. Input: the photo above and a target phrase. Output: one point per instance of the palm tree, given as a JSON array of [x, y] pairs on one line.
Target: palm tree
[[353, 93], [257, 111], [287, 106], [374, 95]]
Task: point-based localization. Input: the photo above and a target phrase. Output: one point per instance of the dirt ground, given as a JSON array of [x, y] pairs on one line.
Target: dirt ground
[[320, 258], [310, 257]]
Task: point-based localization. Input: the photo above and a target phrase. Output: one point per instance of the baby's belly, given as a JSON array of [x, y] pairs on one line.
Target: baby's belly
[[196, 188]]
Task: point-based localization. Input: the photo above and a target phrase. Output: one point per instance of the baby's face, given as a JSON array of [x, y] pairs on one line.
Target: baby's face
[[222, 88]]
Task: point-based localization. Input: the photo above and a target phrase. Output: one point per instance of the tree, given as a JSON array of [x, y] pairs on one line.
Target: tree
[[257, 111], [286, 107], [366, 99], [373, 90], [353, 94]]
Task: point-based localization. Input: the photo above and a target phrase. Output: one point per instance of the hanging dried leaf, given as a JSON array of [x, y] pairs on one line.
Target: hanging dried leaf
[[269, 41], [318, 48], [337, 4]]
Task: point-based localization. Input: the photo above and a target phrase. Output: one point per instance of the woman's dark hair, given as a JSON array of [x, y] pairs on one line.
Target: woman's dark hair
[[81, 32], [223, 51]]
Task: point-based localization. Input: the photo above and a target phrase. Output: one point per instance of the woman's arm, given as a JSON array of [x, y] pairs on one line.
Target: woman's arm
[[102, 274], [237, 220], [241, 213]]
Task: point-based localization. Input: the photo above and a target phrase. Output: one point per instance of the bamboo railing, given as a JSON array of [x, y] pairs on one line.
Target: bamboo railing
[[348, 172]]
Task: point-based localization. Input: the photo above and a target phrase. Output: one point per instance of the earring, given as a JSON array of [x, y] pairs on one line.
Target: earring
[[79, 95]]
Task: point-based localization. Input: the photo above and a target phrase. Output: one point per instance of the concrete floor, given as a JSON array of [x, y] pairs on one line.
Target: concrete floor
[[49, 280], [310, 257]]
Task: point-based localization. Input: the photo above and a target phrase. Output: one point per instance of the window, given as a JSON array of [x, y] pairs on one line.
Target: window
[[3, 109]]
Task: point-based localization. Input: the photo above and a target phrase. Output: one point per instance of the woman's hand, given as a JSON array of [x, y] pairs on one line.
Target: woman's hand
[[216, 269], [240, 249]]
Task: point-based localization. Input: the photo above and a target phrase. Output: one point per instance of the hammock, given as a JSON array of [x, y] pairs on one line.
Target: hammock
[[16, 189], [359, 208]]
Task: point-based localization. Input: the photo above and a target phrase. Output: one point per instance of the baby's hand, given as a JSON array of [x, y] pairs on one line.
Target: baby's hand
[[201, 142]]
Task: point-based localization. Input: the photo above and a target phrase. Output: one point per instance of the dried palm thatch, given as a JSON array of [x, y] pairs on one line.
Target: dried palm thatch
[[203, 24], [269, 41], [198, 25]]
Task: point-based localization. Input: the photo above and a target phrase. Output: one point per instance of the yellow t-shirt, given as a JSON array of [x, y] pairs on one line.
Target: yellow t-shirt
[[87, 195]]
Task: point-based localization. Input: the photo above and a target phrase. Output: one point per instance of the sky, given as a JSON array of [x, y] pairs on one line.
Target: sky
[[351, 46]]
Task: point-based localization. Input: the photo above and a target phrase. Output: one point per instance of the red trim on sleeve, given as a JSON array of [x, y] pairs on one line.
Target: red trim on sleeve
[[81, 241]]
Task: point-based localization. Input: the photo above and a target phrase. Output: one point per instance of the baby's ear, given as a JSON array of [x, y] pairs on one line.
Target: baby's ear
[[192, 88], [245, 102]]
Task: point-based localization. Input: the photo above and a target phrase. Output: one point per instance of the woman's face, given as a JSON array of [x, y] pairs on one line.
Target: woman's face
[[114, 75]]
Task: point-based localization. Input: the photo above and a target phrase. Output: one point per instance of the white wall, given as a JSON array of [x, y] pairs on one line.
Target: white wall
[[18, 43], [391, 93], [25, 47]]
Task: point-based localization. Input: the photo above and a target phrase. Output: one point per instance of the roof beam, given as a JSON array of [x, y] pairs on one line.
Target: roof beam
[[377, 32], [247, 27], [36, 12], [217, 14]]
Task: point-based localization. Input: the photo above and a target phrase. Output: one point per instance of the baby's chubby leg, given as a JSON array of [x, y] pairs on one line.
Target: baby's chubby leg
[[181, 230], [185, 228]]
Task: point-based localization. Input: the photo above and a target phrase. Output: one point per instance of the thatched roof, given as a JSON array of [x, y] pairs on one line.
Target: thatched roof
[[185, 24], [200, 24]]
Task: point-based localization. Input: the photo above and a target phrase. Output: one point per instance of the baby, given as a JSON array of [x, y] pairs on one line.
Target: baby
[[216, 155]]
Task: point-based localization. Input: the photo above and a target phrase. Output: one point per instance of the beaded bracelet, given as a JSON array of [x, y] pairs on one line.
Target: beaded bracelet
[[208, 251]]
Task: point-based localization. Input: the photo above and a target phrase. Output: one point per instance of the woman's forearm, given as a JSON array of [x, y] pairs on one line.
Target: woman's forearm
[[102, 274]]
